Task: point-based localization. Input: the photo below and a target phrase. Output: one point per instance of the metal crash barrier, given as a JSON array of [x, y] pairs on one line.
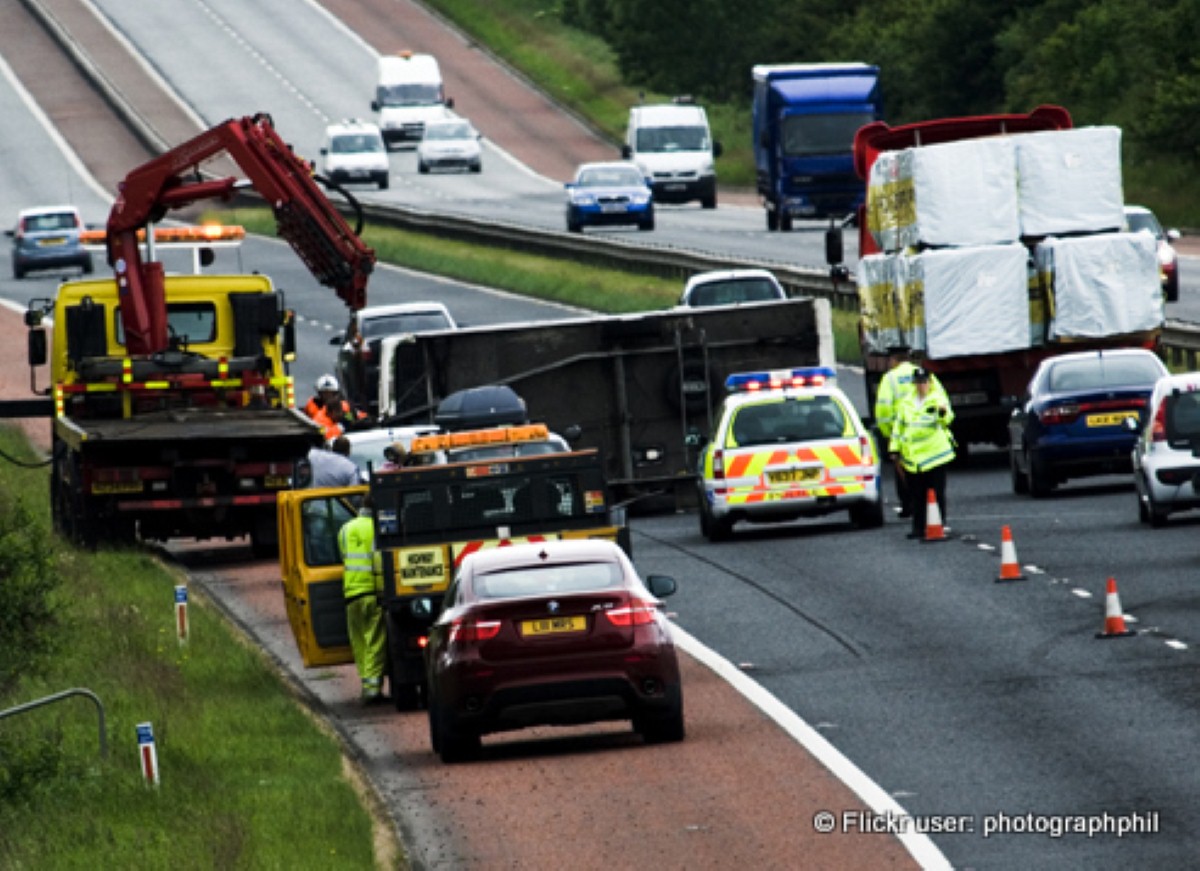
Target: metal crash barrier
[[58, 697]]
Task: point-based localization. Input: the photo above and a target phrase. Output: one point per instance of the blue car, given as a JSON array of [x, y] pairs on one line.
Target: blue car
[[1072, 420], [604, 194], [48, 238]]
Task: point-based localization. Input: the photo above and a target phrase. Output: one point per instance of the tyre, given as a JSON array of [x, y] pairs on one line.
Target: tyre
[[384, 182], [772, 220], [647, 224], [1171, 290], [88, 266], [450, 742], [709, 202], [867, 515], [405, 691], [714, 529], [785, 223], [477, 167], [1041, 476], [422, 167], [666, 727], [1020, 483], [1156, 514], [18, 272]]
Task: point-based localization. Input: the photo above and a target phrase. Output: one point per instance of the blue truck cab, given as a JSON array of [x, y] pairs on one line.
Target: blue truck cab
[[804, 120]]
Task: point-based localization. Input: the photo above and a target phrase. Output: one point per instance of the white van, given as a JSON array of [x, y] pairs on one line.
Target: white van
[[409, 93], [673, 147], [353, 151]]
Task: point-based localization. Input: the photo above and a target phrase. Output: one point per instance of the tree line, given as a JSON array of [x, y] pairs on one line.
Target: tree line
[[1124, 62]]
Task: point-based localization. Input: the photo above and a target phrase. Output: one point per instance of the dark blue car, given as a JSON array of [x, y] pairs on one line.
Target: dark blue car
[[1071, 422], [604, 194]]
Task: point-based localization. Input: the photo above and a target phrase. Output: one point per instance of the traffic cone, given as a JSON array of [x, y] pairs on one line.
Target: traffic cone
[[1010, 569], [1114, 619], [934, 531]]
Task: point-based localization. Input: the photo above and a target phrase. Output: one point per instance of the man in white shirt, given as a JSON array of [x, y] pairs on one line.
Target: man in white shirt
[[333, 467]]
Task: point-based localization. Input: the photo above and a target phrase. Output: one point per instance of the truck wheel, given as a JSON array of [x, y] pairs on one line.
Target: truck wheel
[[422, 167], [785, 223], [406, 692], [384, 182], [867, 515], [264, 537], [772, 220]]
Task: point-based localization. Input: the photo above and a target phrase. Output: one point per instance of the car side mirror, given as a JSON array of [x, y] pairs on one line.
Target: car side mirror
[[661, 586], [37, 346], [374, 105]]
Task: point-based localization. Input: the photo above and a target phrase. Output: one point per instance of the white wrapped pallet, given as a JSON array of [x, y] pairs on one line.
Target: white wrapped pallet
[[1101, 285], [910, 302], [953, 194], [976, 300], [877, 302], [1069, 181]]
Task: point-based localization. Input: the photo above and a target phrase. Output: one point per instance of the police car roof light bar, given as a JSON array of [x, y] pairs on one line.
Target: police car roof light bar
[[812, 376]]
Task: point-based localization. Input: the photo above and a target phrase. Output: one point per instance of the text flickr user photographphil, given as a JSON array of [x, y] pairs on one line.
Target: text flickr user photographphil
[[990, 825]]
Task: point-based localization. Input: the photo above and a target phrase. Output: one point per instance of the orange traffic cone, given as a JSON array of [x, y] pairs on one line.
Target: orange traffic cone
[[933, 518], [1114, 619], [1010, 569]]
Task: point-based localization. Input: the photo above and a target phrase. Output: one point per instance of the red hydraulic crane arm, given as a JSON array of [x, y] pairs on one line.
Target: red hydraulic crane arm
[[304, 217]]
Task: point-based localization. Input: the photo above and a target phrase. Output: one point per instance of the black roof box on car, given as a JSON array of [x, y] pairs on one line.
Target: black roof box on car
[[480, 407]]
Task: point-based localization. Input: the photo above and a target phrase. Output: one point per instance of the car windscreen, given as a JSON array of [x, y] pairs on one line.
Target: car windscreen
[[795, 419], [667, 139], [610, 178], [1103, 372], [1143, 221], [735, 291], [412, 322], [548, 580], [49, 221], [807, 135], [447, 131], [409, 95], [356, 144], [189, 323]]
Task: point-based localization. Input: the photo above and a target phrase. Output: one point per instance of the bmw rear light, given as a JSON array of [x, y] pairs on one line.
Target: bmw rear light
[[466, 630], [638, 612]]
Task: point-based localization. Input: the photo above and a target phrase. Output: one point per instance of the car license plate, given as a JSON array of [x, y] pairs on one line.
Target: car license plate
[[1109, 419], [118, 487], [793, 476], [613, 207], [553, 625], [674, 186], [49, 243], [277, 482]]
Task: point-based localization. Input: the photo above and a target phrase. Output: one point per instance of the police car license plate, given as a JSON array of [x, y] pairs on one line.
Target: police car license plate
[[553, 625], [1109, 419], [117, 487], [793, 476]]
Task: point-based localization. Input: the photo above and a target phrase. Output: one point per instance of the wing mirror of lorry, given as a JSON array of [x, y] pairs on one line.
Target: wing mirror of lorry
[[421, 607], [289, 335], [834, 249], [37, 346]]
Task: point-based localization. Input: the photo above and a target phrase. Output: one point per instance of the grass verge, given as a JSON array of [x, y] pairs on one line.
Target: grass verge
[[248, 779]]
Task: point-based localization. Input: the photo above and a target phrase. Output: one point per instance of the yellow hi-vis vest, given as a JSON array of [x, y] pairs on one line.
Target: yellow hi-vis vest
[[356, 540], [921, 435], [894, 387]]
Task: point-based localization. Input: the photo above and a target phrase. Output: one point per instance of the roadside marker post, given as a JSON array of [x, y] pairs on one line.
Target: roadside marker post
[[181, 613], [148, 753]]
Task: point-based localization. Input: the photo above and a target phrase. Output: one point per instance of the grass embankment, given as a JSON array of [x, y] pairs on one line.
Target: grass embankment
[[248, 779]]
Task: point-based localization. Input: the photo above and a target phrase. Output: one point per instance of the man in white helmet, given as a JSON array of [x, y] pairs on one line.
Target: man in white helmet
[[330, 410]]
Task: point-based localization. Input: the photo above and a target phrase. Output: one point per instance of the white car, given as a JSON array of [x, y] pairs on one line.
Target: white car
[[730, 287], [1140, 218], [450, 144], [786, 445], [1166, 471], [353, 151], [367, 446]]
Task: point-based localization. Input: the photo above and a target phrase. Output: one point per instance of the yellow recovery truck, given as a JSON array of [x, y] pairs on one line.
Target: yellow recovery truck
[[428, 518]]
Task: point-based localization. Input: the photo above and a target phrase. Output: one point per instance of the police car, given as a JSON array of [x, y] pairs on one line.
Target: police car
[[788, 444]]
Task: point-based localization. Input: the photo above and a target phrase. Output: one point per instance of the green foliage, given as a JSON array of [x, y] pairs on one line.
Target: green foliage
[[241, 762], [1121, 62]]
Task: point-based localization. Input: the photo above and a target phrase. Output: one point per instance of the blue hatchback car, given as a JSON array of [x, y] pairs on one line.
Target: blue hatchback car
[[1071, 422], [604, 194], [48, 238]]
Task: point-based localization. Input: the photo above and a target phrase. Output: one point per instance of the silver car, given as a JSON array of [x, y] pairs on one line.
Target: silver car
[[1166, 470]]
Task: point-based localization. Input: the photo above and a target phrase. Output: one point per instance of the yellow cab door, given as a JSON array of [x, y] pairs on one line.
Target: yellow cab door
[[311, 569]]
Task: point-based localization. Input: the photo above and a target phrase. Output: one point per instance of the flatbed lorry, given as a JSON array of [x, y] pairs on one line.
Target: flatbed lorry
[[965, 280]]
